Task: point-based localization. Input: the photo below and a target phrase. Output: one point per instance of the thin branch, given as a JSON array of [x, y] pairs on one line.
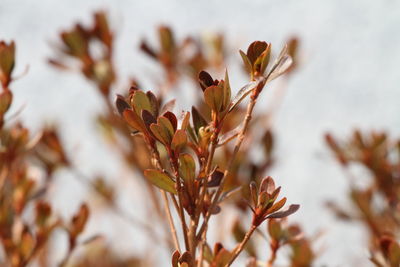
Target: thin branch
[[241, 246], [239, 141]]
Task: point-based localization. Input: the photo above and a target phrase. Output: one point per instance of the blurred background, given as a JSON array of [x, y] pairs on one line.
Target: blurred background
[[348, 77]]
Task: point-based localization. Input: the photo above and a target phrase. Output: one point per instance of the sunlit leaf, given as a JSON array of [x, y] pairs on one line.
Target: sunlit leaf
[[187, 167], [161, 180], [140, 101], [213, 96]]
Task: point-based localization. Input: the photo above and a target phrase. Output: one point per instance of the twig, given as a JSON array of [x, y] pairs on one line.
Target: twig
[[240, 247], [239, 141]]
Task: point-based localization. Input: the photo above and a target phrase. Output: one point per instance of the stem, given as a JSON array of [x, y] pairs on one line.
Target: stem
[[203, 242], [174, 166], [272, 257], [240, 247], [239, 141], [157, 164], [171, 222]]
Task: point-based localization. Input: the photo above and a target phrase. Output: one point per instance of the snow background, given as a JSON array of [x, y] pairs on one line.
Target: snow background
[[349, 77]]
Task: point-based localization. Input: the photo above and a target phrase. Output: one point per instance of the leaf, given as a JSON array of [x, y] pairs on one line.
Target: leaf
[[255, 50], [226, 92], [7, 61], [153, 103], [161, 180], [222, 258], [207, 253], [134, 120], [253, 193], [163, 130], [175, 258], [75, 42], [79, 221], [215, 179], [179, 140], [267, 185], [246, 62], [213, 96], [198, 120], [166, 39], [275, 229], [148, 119], [5, 101], [187, 167], [121, 104], [243, 92], [281, 64], [284, 213], [172, 118], [394, 254], [140, 101], [144, 46], [229, 136], [205, 80], [169, 106], [277, 206], [185, 121], [265, 57]]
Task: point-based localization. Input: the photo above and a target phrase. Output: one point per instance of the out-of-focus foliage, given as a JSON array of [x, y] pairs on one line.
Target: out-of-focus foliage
[[376, 204]]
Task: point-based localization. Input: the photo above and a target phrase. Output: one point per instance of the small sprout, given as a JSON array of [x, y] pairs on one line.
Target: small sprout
[[264, 203]]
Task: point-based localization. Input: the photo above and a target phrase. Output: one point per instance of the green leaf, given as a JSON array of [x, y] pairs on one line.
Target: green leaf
[[213, 96], [140, 101], [226, 92], [187, 167], [161, 180]]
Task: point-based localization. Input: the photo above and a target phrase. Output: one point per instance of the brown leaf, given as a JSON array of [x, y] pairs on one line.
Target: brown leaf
[[284, 213]]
